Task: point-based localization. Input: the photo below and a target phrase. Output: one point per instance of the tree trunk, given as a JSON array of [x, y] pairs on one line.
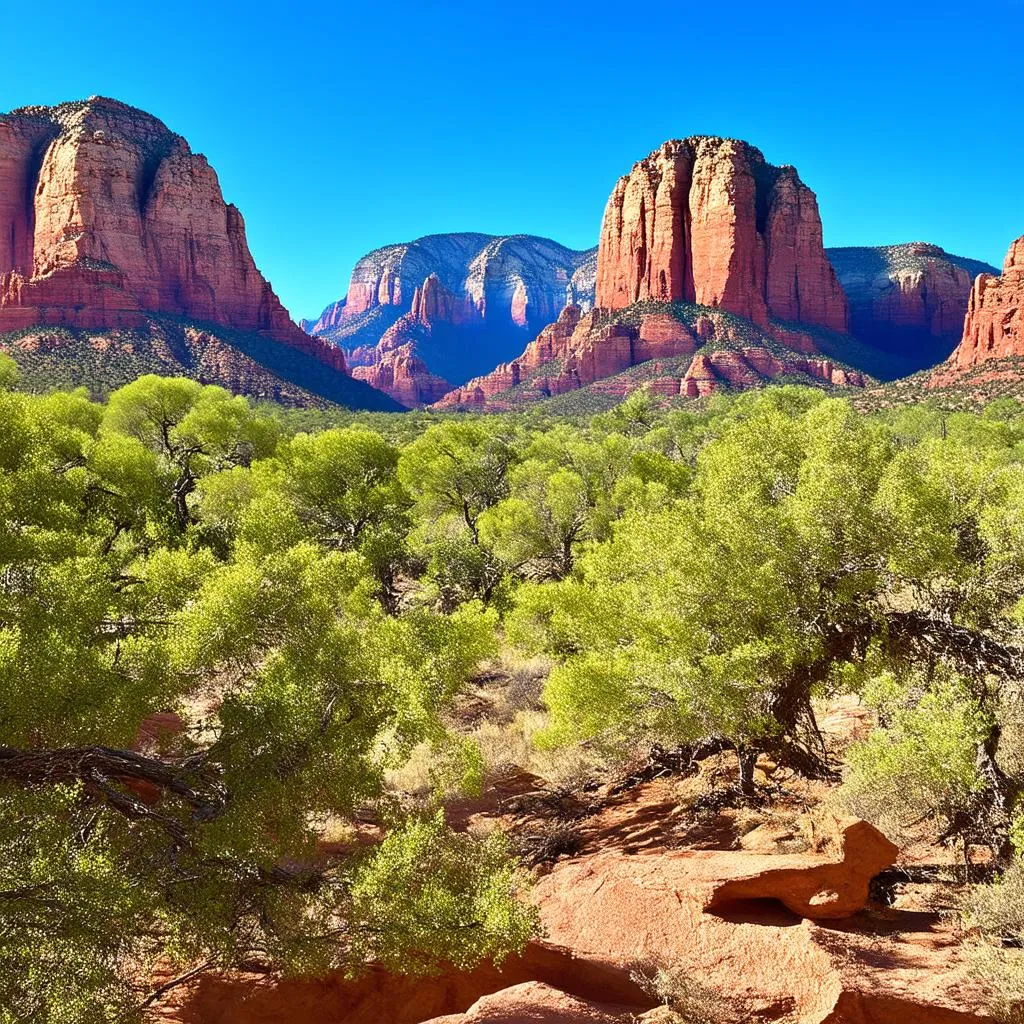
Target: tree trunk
[[748, 761]]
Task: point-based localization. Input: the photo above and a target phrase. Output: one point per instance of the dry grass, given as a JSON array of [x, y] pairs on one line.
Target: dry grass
[[689, 1001]]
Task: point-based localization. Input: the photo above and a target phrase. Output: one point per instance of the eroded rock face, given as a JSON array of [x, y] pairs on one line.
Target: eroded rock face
[[583, 350], [521, 278], [714, 918], [759, 960], [827, 891], [106, 215], [907, 302], [708, 220], [994, 325], [458, 303], [394, 366]]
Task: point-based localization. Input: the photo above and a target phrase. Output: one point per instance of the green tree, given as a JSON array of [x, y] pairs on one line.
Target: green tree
[[287, 694], [808, 555], [190, 430]]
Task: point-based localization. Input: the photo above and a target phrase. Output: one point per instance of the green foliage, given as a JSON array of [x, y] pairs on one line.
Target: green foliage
[[457, 901], [922, 762], [997, 912], [8, 372], [171, 554], [309, 594]]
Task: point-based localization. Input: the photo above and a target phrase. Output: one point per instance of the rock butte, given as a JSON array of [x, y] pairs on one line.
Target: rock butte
[[709, 221], [994, 326], [106, 215]]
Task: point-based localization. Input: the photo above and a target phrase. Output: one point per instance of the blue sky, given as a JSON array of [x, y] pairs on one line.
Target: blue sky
[[338, 127]]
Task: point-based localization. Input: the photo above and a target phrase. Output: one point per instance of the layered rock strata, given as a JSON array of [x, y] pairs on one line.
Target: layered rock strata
[[994, 325], [709, 221], [907, 302], [107, 216]]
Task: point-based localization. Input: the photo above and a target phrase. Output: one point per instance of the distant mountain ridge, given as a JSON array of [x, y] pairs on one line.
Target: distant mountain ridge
[[422, 316], [907, 302]]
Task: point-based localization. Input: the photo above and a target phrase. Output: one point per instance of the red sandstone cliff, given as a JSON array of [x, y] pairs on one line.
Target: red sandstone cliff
[[707, 220], [994, 325], [702, 221], [106, 216]]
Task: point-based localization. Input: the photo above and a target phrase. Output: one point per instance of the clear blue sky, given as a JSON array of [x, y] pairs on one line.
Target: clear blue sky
[[339, 127]]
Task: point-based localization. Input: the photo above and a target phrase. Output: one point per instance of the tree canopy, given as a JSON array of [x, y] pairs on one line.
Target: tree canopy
[[222, 629]]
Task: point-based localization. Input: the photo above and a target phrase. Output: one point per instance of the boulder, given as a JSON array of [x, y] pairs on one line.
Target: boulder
[[829, 890], [535, 1002]]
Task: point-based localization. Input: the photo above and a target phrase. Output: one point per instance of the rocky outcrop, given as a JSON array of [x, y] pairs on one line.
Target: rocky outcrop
[[907, 302], [994, 325], [754, 959], [829, 890], [580, 350], [393, 365], [533, 1001], [709, 221], [611, 919], [109, 220], [750, 367], [702, 228], [330, 319]]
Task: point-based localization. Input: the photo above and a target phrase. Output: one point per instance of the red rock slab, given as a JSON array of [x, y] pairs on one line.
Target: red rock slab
[[825, 891], [760, 960], [535, 1002]]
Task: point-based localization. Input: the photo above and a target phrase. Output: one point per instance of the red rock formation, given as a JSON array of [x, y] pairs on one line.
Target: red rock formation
[[107, 216], [382, 998], [750, 367], [760, 961], [606, 913], [588, 349], [707, 220], [826, 891], [432, 303], [585, 350], [330, 318], [661, 336], [405, 377], [482, 298], [533, 1002], [994, 326]]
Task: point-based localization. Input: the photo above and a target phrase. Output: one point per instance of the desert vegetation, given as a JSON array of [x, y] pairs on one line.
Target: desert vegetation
[[250, 657]]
